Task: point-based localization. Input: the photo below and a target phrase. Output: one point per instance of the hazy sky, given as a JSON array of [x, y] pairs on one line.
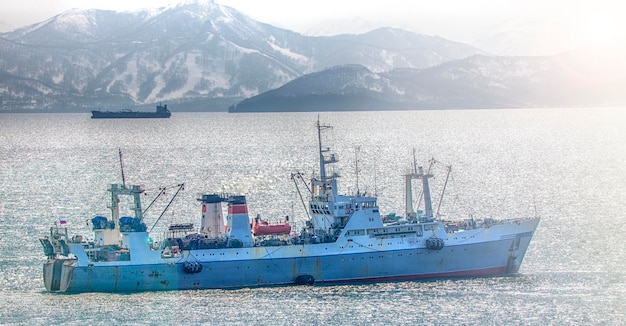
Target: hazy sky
[[570, 21]]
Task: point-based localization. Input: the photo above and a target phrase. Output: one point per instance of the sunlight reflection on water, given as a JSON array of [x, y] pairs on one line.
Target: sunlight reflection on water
[[565, 164]]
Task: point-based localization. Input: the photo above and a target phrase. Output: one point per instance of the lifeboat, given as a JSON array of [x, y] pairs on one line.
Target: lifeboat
[[264, 228]]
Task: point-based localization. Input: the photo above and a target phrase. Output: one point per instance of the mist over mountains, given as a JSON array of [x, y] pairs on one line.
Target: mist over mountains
[[476, 82], [204, 56]]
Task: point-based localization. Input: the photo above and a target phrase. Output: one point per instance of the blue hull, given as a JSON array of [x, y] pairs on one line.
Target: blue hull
[[477, 260]]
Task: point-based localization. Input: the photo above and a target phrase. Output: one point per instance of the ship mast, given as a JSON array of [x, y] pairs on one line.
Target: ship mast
[[430, 166], [324, 179], [443, 191], [418, 173], [356, 168], [121, 190], [324, 189], [408, 190], [122, 168], [428, 206], [323, 160]]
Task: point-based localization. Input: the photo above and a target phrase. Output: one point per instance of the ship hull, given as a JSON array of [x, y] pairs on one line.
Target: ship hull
[[128, 115], [282, 266]]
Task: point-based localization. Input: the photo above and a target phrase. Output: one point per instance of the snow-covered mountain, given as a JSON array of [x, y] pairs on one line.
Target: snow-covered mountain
[[195, 56], [578, 78]]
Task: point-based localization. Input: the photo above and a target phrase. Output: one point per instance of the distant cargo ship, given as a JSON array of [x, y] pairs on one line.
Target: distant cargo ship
[[161, 112]]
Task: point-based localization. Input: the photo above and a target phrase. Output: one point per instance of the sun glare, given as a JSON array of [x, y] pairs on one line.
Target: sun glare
[[600, 29]]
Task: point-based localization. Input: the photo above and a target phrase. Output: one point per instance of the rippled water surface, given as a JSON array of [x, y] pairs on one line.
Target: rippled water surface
[[566, 165]]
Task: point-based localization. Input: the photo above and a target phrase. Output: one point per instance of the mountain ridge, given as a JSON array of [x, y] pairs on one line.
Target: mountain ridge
[[200, 55], [476, 82]]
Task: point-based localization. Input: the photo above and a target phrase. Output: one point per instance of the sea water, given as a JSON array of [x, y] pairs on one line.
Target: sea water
[[566, 165]]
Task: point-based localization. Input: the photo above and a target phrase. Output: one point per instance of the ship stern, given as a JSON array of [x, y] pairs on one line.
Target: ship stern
[[57, 274]]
